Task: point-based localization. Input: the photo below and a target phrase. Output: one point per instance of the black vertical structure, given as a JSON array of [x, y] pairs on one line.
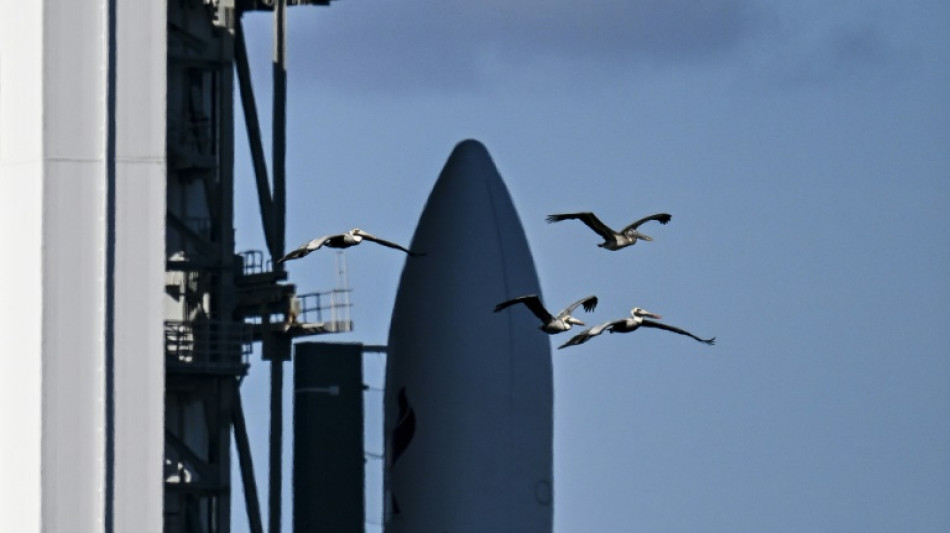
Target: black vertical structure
[[109, 362], [328, 458], [278, 201], [204, 341], [280, 123], [219, 302]]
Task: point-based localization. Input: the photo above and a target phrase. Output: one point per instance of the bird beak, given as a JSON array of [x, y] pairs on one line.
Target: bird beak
[[649, 314], [576, 322]]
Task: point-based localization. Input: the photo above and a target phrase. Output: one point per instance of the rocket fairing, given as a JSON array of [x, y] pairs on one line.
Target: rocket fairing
[[469, 392]]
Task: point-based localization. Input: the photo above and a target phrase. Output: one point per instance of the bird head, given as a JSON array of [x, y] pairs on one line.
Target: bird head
[[634, 234], [639, 312]]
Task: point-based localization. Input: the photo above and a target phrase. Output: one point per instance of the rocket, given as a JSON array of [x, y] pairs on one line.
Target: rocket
[[469, 392]]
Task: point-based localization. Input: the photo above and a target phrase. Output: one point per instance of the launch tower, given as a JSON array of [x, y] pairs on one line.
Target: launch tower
[[125, 350]]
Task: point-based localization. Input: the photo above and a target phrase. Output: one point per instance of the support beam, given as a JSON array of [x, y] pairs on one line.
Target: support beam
[[252, 123], [280, 123], [201, 466], [278, 217], [276, 442], [272, 348], [206, 248], [243, 445]]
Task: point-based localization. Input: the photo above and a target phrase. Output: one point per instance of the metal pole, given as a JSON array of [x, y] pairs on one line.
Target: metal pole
[[247, 468], [280, 118], [278, 220], [254, 138], [276, 426]]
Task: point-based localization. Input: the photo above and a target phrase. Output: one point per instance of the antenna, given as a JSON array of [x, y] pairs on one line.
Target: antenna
[[341, 295]]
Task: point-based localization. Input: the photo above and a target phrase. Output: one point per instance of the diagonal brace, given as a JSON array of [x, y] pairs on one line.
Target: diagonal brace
[[269, 218]]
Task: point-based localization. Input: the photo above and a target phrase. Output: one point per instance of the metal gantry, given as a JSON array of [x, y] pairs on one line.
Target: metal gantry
[[218, 303]]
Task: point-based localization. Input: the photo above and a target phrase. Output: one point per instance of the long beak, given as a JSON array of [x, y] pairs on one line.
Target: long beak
[[644, 312], [575, 321], [644, 236]]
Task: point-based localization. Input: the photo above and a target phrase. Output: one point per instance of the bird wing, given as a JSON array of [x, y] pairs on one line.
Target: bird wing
[[384, 242], [589, 303], [588, 218], [587, 334], [674, 329], [305, 248], [662, 218], [580, 338], [532, 302], [597, 330]]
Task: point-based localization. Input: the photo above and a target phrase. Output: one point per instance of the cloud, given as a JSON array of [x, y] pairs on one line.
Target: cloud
[[425, 47], [435, 44], [841, 43], [842, 53]]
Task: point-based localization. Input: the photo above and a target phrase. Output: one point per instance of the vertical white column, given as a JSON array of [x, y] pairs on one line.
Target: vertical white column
[[21, 223], [74, 247], [53, 220], [52, 57], [140, 264]]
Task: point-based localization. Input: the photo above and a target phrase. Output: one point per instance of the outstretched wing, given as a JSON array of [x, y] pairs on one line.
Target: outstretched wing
[[674, 329], [587, 334], [588, 218], [305, 249], [377, 240], [662, 218], [589, 303], [532, 302]]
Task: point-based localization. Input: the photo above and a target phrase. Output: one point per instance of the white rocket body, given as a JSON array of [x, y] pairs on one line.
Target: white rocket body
[[469, 399]]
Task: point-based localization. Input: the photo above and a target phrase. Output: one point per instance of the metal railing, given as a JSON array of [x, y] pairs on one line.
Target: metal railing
[[253, 261], [207, 342], [326, 307]]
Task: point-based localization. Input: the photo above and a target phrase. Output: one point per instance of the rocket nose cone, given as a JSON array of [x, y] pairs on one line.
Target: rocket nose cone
[[469, 160], [468, 201], [480, 383], [470, 148]]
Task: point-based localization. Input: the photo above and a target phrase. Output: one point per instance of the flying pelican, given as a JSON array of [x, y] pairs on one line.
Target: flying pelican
[[551, 324], [343, 240], [613, 240], [626, 325]]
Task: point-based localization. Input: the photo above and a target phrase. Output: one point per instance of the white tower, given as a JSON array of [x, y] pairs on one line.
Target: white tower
[[82, 214]]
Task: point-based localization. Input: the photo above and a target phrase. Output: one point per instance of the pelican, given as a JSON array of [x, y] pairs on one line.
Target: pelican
[[613, 240], [551, 324], [342, 240], [626, 325]]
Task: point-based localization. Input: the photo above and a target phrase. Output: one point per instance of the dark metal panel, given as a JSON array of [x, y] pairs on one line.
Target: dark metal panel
[[328, 458]]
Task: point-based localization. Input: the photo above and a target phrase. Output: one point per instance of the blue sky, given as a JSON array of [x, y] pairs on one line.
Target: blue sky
[[803, 149]]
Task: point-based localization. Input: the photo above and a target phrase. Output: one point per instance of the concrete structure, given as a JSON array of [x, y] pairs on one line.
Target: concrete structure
[[469, 397], [82, 218], [116, 187]]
